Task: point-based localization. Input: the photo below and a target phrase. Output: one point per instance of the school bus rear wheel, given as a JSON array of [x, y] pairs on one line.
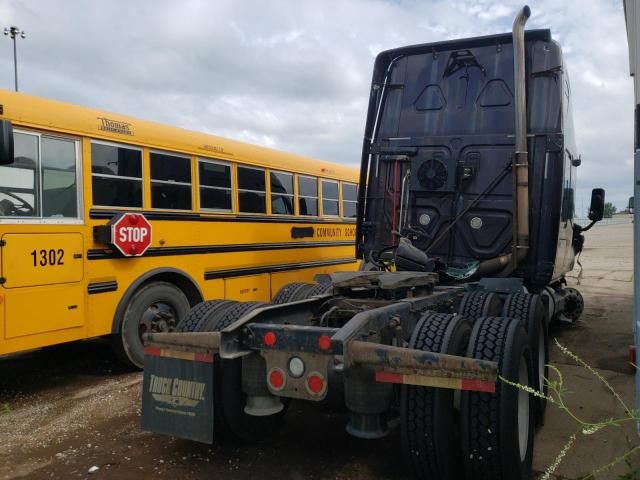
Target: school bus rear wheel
[[154, 307]]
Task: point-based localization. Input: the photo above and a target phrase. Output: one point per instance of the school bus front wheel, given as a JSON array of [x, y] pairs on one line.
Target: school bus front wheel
[[154, 307]]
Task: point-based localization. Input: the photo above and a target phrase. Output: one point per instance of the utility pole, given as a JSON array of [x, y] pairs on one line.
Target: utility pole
[[14, 32]]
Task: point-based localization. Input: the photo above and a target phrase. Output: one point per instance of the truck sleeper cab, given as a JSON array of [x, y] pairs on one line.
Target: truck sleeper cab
[[441, 123]]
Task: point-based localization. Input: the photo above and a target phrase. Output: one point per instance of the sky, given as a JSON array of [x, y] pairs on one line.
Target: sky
[[295, 75]]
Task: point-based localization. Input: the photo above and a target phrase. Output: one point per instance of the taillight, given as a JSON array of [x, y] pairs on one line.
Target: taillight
[[269, 339], [316, 384], [324, 342], [276, 379]]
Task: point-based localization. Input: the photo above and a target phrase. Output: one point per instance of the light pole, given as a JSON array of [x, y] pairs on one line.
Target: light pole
[[14, 32]]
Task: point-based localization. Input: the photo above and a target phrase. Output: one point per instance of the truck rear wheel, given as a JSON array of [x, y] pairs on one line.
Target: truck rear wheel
[[428, 419], [154, 307], [319, 289], [573, 304], [480, 303], [230, 400], [497, 428], [292, 292], [199, 314], [530, 309]]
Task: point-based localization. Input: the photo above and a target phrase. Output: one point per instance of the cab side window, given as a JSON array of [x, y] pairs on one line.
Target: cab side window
[[59, 178], [19, 195], [42, 182]]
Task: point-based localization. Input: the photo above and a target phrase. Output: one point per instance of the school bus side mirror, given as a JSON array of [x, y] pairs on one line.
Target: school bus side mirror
[[630, 207], [6, 142]]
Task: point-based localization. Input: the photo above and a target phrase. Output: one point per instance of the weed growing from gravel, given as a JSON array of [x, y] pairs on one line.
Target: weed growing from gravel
[[557, 395]]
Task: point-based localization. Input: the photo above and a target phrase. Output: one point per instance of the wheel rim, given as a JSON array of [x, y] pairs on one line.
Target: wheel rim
[[158, 317], [542, 360], [523, 410], [573, 304]]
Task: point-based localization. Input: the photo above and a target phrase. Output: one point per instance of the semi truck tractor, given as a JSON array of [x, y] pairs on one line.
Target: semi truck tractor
[[465, 233]]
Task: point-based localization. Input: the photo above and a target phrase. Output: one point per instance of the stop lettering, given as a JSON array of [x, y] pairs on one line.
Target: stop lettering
[[131, 234]]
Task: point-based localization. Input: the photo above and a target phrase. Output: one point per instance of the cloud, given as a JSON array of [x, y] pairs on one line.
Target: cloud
[[295, 75]]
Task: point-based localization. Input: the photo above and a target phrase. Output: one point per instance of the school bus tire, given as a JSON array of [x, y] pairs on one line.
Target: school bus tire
[[155, 307]]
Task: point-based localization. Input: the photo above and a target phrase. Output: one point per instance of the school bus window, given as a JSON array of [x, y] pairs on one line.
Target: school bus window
[[349, 199], [281, 193], [170, 181], [59, 185], [18, 181], [116, 175], [330, 198], [252, 190], [215, 185], [308, 195]]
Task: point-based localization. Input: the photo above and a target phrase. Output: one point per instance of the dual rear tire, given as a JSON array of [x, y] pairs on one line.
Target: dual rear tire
[[428, 417], [472, 435], [530, 310], [293, 292], [497, 428]]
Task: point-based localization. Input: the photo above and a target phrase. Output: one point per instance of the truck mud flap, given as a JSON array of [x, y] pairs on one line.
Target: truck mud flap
[[177, 395]]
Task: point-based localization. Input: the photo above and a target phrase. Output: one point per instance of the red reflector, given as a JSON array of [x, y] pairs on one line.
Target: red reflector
[[276, 379], [389, 377], [324, 342], [152, 351], [269, 339], [203, 357], [315, 383], [479, 386]]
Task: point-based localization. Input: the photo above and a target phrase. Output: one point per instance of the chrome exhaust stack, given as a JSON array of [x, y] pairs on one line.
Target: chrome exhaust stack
[[521, 155]]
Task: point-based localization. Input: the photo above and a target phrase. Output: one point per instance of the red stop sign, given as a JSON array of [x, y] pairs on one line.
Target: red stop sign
[[131, 234]]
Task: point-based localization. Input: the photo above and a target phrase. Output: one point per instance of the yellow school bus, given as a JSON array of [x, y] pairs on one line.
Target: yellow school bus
[[226, 220]]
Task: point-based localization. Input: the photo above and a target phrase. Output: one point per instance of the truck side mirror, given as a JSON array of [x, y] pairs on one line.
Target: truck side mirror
[[630, 207], [6, 142], [596, 210], [576, 161]]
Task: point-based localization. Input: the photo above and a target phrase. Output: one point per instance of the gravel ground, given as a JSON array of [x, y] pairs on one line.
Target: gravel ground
[[66, 409]]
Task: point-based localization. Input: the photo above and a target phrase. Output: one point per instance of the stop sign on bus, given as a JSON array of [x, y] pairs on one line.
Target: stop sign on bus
[[131, 234]]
